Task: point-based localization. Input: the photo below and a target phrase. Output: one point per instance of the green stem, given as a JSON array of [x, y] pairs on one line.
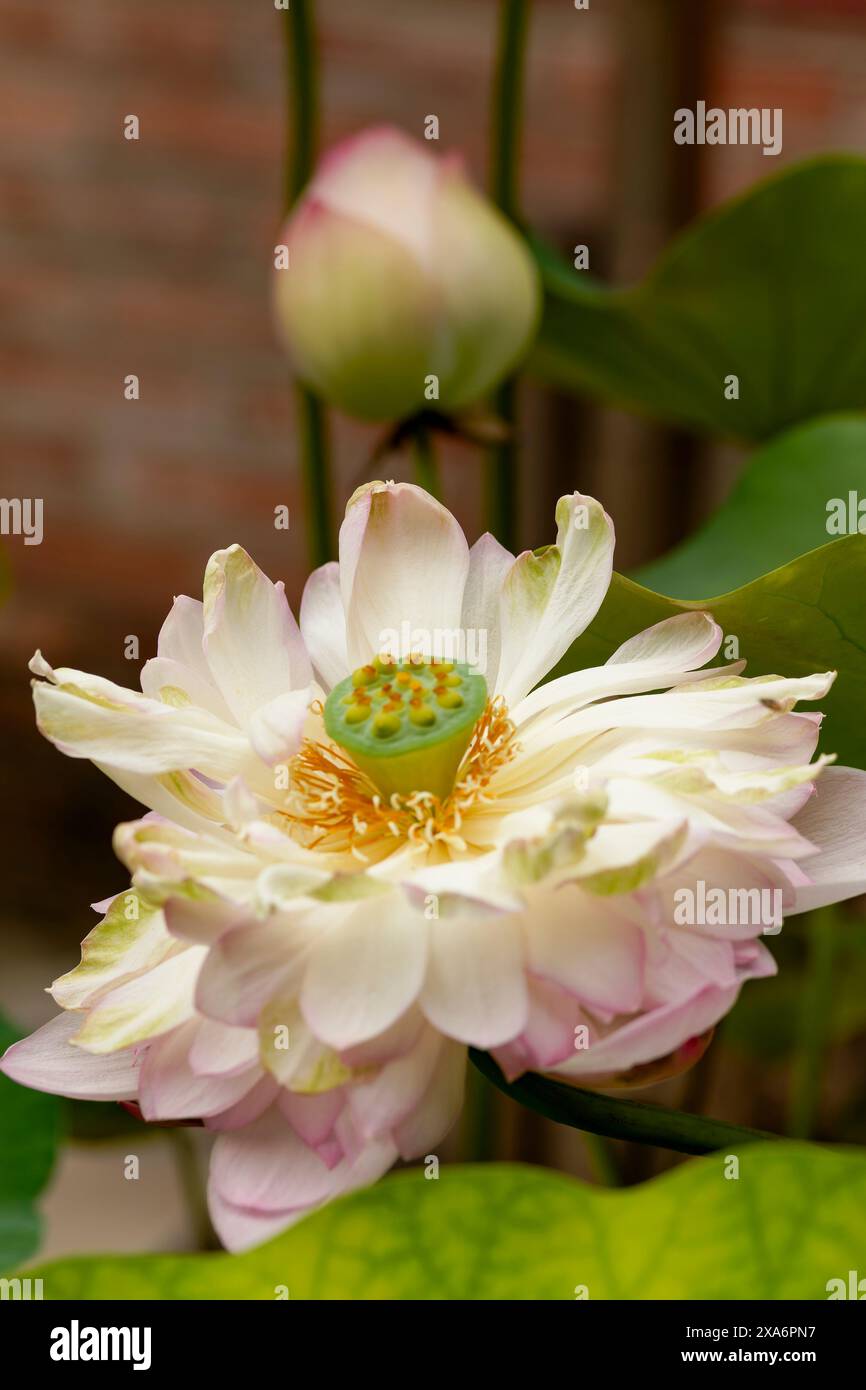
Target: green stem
[[480, 1126], [302, 79], [601, 1160], [426, 468], [506, 118], [618, 1119], [500, 485], [508, 104], [817, 1003], [189, 1176], [302, 82], [316, 475]]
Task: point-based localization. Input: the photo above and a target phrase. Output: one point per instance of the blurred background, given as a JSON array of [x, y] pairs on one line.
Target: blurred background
[[154, 257]]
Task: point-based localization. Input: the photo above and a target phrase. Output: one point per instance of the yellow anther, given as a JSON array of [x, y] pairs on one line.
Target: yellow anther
[[385, 724]]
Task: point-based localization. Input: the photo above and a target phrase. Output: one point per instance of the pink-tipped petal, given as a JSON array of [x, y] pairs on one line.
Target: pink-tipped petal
[[47, 1061]]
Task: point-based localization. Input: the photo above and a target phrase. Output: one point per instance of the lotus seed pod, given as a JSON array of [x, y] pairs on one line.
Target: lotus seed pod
[[406, 725]]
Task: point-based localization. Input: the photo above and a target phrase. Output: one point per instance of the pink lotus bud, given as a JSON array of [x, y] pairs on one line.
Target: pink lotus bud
[[405, 289]]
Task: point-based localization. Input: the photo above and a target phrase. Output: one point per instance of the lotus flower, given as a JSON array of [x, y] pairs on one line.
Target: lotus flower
[[405, 288], [365, 853]]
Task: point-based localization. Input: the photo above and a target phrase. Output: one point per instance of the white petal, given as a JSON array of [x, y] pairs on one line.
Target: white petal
[[323, 624], [169, 681], [489, 562], [381, 1103], [131, 937], [176, 796], [181, 637], [86, 717], [834, 819], [365, 972], [218, 1049], [277, 728], [660, 657], [145, 1006], [247, 966], [386, 180], [253, 645], [403, 567], [475, 989], [550, 597], [439, 1107], [681, 643]]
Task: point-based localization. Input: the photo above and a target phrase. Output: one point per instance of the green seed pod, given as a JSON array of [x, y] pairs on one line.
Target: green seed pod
[[423, 715]]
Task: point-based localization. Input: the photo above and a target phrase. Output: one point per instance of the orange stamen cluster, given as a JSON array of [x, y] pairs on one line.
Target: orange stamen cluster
[[336, 809]]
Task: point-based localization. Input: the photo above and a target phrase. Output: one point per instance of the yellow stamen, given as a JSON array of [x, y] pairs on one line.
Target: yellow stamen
[[336, 809]]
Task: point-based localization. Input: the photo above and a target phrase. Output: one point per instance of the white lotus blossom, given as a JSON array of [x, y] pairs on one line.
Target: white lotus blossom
[[361, 857]]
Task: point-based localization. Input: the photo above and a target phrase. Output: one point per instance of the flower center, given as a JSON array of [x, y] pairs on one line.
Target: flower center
[[336, 809], [407, 724]]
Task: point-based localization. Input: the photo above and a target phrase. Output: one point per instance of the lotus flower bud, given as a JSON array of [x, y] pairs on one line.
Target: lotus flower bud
[[405, 289]]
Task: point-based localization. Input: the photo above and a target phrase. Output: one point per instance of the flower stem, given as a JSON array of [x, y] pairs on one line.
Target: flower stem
[[316, 475], [508, 104], [426, 468], [506, 116], [302, 83], [479, 1141], [190, 1181], [618, 1119], [601, 1159], [817, 1003]]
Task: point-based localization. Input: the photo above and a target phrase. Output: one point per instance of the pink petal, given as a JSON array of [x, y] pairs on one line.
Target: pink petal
[[834, 820], [588, 949], [267, 1167], [47, 1061], [247, 966], [170, 1090], [438, 1109], [219, 1049]]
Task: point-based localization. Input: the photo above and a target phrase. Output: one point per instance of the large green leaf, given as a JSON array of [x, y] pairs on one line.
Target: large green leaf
[[793, 1219], [806, 616], [778, 509], [771, 288], [29, 1128]]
